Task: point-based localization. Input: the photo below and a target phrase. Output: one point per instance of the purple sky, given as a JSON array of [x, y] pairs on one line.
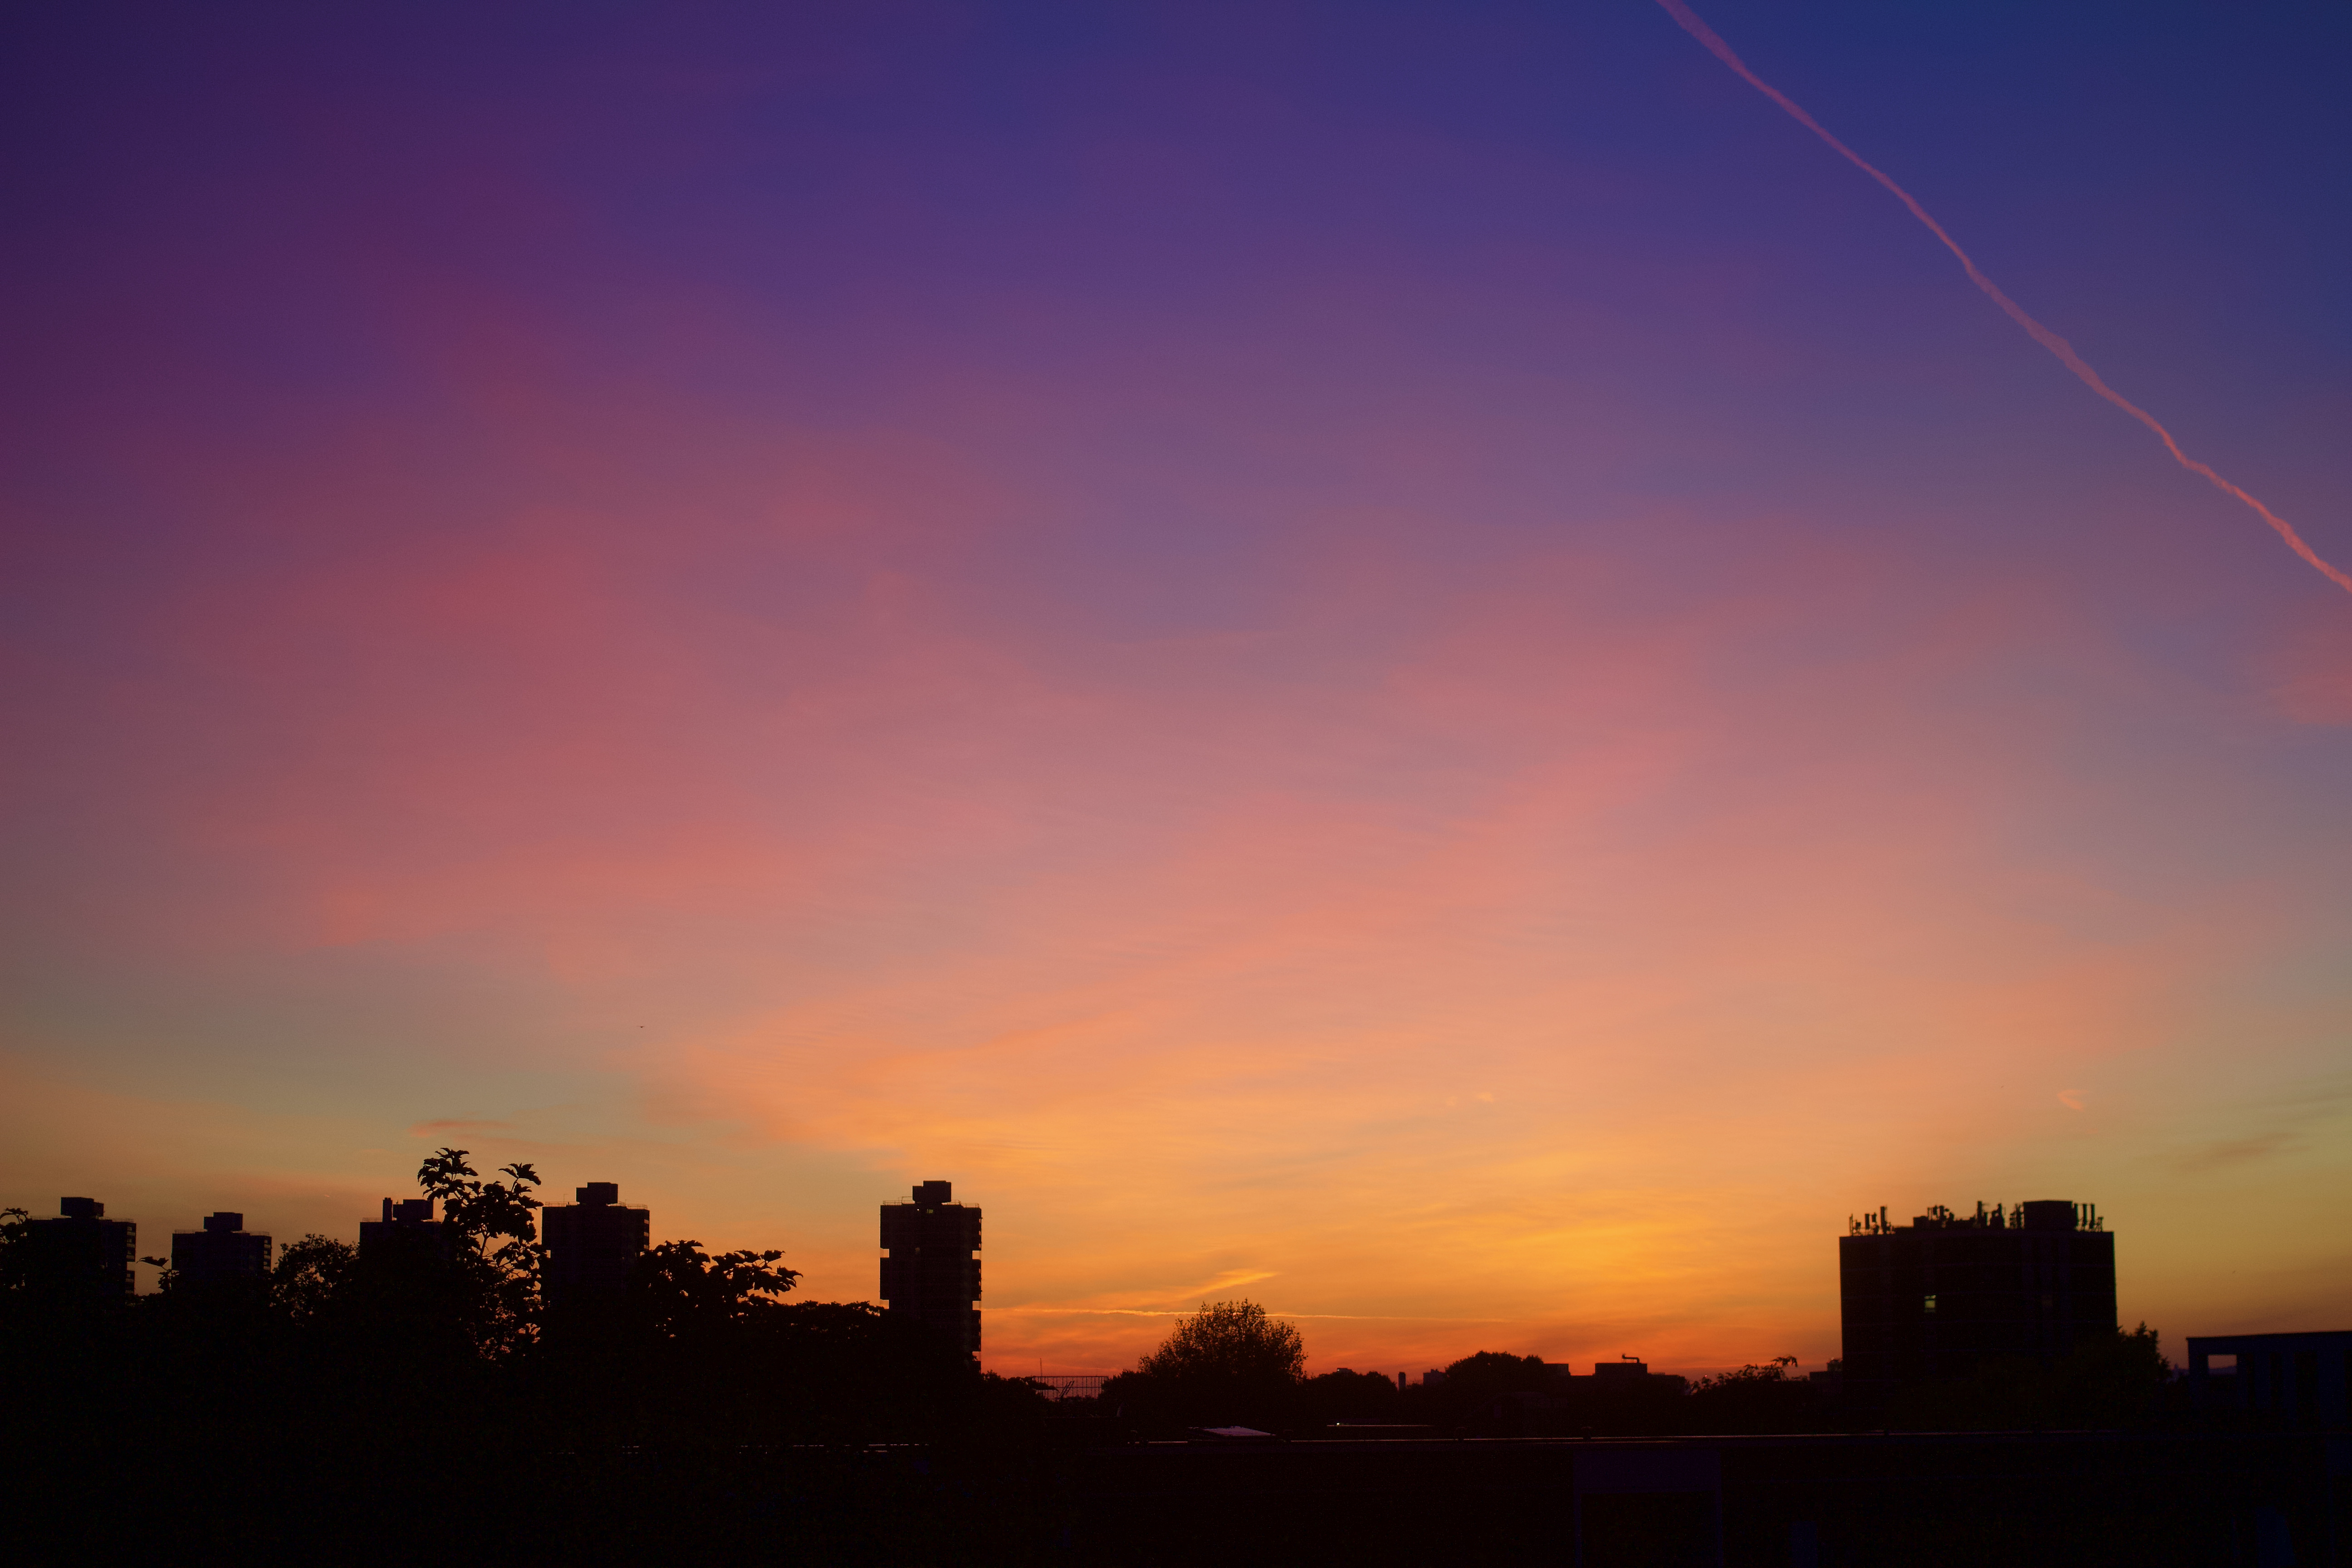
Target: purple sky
[[1416, 661]]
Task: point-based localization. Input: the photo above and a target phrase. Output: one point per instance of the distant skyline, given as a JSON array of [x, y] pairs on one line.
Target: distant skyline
[[1414, 661]]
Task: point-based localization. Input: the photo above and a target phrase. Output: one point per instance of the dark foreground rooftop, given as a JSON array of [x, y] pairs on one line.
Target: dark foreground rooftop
[[1804, 1502], [2051, 1500]]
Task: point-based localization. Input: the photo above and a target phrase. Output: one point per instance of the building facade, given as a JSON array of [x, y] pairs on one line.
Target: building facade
[[223, 1249], [930, 1274], [1934, 1298], [82, 1254], [593, 1242]]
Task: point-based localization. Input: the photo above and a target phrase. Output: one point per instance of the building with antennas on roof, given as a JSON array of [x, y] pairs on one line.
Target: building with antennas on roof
[[1934, 1298]]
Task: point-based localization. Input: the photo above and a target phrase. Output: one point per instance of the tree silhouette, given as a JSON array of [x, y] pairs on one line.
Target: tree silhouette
[[493, 1246], [1232, 1340], [1772, 1371], [676, 1287], [1351, 1396], [2106, 1380], [16, 1248], [1762, 1396], [1227, 1364], [307, 1275], [1489, 1373]]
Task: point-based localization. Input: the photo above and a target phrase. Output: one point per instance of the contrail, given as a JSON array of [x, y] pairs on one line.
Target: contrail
[[1690, 23]]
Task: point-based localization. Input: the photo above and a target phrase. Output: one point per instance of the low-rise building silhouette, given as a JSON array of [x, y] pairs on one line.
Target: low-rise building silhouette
[[592, 1242], [2294, 1380], [82, 1254], [223, 1249], [407, 1229], [1627, 1372], [1935, 1298], [930, 1274]]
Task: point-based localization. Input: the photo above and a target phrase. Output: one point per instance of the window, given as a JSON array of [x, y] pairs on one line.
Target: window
[[1927, 1305]]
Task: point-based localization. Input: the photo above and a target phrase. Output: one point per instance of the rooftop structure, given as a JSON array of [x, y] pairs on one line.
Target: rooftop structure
[[1933, 1298], [223, 1249], [407, 1229], [1625, 1372], [82, 1254], [930, 1274], [593, 1242], [1626, 1377]]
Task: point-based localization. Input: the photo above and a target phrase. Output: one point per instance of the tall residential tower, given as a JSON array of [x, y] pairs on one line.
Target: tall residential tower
[[82, 1254], [224, 1250], [594, 1243], [930, 1274]]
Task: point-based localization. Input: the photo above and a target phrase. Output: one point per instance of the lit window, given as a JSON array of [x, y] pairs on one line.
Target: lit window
[[1927, 1305]]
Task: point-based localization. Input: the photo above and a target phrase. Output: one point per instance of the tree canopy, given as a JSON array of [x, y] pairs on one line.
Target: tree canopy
[[1229, 1341], [1228, 1364], [678, 1286]]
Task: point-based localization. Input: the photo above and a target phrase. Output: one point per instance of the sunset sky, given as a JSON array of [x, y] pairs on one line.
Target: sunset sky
[[1415, 662]]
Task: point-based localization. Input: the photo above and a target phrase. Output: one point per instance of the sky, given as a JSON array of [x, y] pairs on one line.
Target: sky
[[1413, 661]]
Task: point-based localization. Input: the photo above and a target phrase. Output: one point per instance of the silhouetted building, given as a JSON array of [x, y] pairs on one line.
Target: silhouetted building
[[592, 1242], [1625, 1373], [2294, 1380], [930, 1274], [1611, 1386], [407, 1229], [1932, 1299], [224, 1250], [82, 1253]]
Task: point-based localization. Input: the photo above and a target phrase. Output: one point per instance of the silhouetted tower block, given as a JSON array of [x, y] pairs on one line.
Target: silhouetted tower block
[[224, 1250], [593, 1242], [930, 1274], [1934, 1298], [407, 1230], [81, 1255]]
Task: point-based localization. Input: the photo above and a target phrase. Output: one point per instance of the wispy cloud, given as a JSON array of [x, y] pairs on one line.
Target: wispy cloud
[[448, 1124], [2223, 1153], [2059, 347]]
